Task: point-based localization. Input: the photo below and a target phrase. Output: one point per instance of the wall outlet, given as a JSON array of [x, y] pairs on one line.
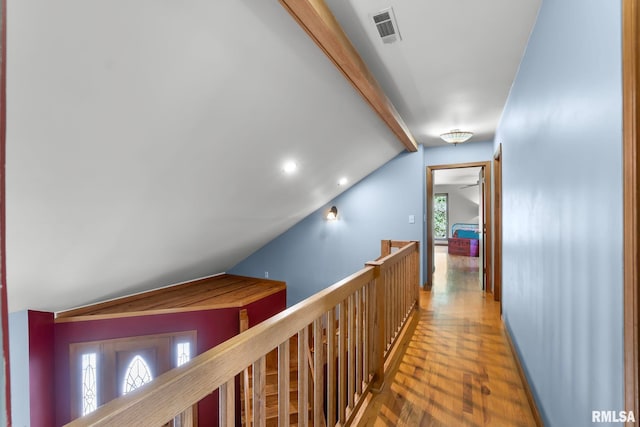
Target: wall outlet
[[266, 274], [412, 219]]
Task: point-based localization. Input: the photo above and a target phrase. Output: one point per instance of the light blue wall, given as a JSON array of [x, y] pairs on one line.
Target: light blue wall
[[316, 253], [19, 365], [562, 238], [462, 153], [3, 382]]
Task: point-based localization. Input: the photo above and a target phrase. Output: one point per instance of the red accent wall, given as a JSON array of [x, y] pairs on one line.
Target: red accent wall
[[212, 326], [41, 368], [265, 308]]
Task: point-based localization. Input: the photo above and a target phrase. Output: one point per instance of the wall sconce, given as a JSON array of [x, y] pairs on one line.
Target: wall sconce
[[333, 214]]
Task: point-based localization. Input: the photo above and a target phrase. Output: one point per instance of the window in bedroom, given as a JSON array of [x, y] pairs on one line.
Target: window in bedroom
[[440, 215]]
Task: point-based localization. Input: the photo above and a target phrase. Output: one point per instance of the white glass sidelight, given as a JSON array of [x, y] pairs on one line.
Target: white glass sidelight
[[89, 383], [183, 353]]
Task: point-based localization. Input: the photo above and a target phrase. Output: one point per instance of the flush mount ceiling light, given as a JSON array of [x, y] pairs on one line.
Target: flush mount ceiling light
[[289, 167], [333, 213], [342, 181], [456, 136]]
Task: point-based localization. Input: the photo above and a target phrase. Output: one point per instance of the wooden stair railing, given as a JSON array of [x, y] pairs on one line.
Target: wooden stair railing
[[276, 375], [360, 317]]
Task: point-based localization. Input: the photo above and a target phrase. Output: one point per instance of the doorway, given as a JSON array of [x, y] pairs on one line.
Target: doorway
[[497, 226], [482, 220]]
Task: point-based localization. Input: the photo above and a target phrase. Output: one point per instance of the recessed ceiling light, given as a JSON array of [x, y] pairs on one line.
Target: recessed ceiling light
[[289, 167], [343, 181]]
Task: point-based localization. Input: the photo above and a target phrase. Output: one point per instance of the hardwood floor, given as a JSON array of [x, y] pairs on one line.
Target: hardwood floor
[[455, 367]]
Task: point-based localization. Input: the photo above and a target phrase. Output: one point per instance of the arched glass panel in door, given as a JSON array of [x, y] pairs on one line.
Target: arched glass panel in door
[[136, 375]]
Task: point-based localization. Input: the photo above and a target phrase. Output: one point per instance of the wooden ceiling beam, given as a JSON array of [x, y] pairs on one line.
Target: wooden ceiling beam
[[317, 20]]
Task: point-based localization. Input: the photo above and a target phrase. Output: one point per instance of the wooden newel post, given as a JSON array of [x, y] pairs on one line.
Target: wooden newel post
[[378, 325], [385, 248]]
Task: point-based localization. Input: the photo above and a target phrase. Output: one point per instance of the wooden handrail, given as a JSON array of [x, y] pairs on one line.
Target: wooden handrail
[[175, 391], [390, 260]]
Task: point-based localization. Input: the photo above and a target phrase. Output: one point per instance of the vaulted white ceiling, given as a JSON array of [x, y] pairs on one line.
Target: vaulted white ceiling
[[454, 64], [145, 138], [457, 176]]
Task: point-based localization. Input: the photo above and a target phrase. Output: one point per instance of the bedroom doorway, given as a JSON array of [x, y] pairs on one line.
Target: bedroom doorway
[[459, 219]]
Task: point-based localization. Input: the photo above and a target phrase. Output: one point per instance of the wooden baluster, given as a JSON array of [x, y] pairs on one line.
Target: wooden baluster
[[394, 302], [388, 305], [400, 286], [342, 362], [385, 306], [401, 293], [380, 333], [398, 304], [409, 275], [283, 384], [303, 378], [259, 370], [416, 291], [358, 354], [399, 296], [188, 420], [410, 284], [227, 404], [407, 287], [318, 368], [412, 278], [403, 289], [394, 286], [417, 279], [351, 337], [185, 419], [366, 292], [377, 319], [244, 383], [331, 367], [398, 299]]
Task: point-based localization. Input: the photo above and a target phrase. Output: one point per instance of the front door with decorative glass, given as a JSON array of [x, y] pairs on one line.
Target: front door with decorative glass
[[104, 370]]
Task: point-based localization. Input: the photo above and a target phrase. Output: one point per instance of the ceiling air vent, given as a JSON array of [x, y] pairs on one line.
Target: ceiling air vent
[[385, 22]]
